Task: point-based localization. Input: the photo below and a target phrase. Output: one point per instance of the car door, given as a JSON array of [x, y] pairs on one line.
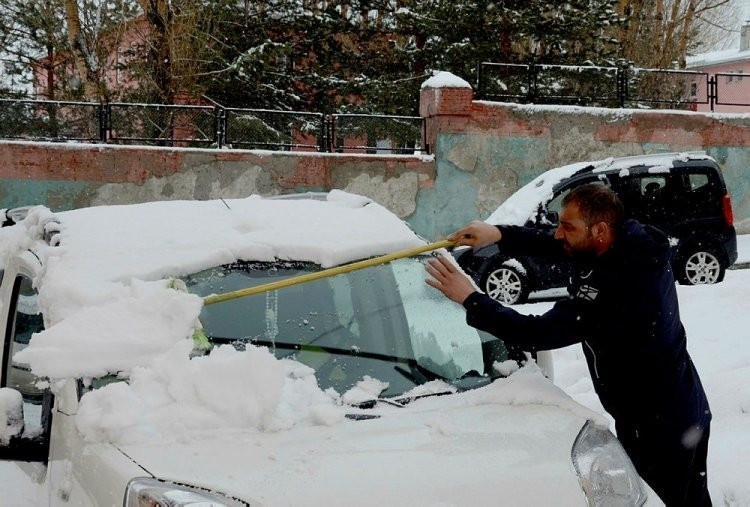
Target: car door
[[20, 320]]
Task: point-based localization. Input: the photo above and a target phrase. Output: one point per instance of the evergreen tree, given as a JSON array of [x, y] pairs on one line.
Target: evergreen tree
[[40, 35]]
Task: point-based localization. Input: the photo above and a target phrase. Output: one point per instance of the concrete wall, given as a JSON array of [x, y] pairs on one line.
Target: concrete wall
[[482, 153]]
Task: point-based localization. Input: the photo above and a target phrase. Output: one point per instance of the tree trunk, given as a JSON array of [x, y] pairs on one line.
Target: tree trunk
[[82, 56]]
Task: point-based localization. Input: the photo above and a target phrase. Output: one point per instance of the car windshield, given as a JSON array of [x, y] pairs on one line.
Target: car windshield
[[383, 322]]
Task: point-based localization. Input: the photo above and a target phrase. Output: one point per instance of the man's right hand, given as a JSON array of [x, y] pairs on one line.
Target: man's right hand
[[477, 234]]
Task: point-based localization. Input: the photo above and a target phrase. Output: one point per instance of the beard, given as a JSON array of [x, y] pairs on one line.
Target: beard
[[581, 252]]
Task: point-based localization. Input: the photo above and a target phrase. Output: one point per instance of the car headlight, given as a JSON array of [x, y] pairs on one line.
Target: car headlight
[[145, 492], [607, 475]]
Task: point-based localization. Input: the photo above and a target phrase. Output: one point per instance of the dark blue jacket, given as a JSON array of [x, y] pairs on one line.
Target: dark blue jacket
[[623, 308]]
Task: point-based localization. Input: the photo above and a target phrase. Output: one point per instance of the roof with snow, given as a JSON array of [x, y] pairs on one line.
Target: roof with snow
[[717, 58], [524, 203]]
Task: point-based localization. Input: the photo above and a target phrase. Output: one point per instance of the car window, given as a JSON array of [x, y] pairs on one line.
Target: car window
[[383, 322], [698, 181], [26, 320]]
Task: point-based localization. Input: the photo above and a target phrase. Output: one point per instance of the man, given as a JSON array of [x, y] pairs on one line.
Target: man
[[623, 308]]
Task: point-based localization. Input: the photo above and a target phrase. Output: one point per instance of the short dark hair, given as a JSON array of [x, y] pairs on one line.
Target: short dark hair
[[597, 203]]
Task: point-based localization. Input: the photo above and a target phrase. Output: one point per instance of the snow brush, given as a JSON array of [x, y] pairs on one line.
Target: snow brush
[[325, 273]]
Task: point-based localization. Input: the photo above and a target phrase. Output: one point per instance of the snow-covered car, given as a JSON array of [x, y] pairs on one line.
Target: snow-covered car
[[683, 194], [124, 382]]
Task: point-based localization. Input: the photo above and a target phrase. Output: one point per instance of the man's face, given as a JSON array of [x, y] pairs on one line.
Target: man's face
[[573, 232]]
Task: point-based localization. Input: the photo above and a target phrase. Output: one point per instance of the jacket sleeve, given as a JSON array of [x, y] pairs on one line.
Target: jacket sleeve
[[563, 325], [518, 240]]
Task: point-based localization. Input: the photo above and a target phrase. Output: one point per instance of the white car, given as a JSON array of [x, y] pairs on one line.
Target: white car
[[127, 387]]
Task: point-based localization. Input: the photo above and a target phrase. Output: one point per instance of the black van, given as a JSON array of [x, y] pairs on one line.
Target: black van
[[683, 194]]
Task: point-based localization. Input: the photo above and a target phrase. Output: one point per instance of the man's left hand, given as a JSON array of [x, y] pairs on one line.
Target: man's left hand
[[448, 279]]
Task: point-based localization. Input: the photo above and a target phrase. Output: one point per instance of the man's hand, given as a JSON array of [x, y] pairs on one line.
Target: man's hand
[[477, 234], [448, 279]]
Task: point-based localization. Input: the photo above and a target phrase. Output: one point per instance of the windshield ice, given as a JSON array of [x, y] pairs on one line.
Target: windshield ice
[[382, 322]]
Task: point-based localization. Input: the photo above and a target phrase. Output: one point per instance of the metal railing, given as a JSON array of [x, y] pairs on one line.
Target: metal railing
[[209, 126], [158, 124], [622, 86], [51, 120], [273, 130], [377, 134]]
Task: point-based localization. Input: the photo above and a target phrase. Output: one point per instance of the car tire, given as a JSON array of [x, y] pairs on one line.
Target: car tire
[[699, 266], [506, 284]]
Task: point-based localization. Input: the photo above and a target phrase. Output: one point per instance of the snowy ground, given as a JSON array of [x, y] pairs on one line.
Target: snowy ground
[[716, 319]]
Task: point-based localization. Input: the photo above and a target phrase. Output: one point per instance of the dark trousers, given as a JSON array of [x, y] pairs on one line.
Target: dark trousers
[[673, 465]]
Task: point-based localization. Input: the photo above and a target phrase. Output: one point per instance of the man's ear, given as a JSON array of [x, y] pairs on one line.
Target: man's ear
[[599, 230]]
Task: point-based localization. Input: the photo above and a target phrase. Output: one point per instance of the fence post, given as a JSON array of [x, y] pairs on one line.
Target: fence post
[[622, 83], [220, 118], [712, 92], [104, 122], [480, 88], [330, 136], [532, 83]]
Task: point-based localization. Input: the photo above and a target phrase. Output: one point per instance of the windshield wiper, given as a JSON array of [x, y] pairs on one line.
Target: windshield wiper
[[411, 363]]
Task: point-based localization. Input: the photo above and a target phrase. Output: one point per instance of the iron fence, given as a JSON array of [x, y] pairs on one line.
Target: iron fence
[[51, 120], [731, 89], [160, 125], [621, 86], [273, 130], [377, 134], [209, 126]]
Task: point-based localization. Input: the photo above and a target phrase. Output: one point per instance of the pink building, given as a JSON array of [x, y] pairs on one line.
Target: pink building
[[119, 47], [728, 78]]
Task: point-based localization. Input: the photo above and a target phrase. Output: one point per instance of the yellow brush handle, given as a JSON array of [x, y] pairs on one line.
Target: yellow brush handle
[[346, 268]]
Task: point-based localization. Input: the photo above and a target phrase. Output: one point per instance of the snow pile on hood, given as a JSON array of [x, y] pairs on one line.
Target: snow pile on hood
[[527, 386], [175, 398]]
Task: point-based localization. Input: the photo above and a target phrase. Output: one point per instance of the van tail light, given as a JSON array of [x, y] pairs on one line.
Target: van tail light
[[728, 213]]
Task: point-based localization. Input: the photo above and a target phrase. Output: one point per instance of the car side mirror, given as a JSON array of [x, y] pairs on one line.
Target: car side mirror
[[14, 446], [11, 415], [549, 219]]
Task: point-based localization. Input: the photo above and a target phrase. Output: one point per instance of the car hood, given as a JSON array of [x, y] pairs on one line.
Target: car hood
[[446, 450]]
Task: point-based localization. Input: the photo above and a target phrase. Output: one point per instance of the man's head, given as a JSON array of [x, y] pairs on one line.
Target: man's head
[[590, 218]]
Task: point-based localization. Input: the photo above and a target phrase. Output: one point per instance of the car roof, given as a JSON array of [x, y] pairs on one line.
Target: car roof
[[523, 204], [96, 246], [327, 229]]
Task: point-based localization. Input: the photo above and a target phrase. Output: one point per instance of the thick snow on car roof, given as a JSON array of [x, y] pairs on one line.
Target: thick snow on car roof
[[523, 204], [110, 268]]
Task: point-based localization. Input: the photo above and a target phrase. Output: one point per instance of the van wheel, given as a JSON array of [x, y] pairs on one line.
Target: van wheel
[[507, 285], [700, 266]]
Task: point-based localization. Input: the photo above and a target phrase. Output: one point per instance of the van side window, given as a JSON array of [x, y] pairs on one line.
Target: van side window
[[698, 180], [652, 186]]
